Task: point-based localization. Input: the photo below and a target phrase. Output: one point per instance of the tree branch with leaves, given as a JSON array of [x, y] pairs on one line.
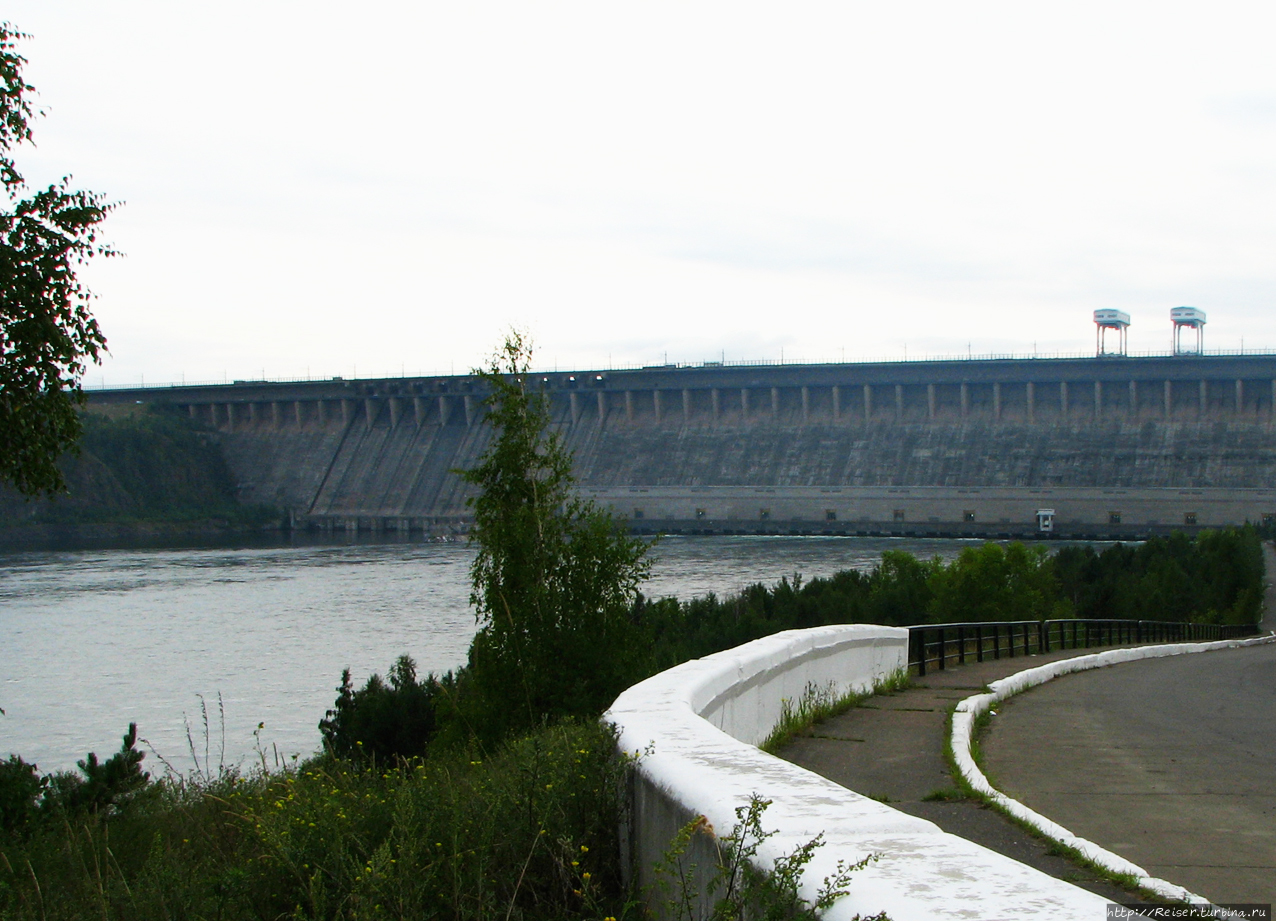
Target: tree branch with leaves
[[555, 577], [47, 333]]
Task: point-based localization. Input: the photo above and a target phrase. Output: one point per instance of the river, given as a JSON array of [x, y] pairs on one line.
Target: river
[[257, 637]]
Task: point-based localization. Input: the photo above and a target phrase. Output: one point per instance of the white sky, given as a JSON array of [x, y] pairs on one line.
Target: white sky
[[384, 187]]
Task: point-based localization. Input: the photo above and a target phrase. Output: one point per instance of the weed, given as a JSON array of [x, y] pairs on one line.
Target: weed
[[736, 887], [822, 702], [945, 794]]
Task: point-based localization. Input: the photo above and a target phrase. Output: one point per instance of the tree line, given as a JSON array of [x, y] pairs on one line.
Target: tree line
[[1215, 577]]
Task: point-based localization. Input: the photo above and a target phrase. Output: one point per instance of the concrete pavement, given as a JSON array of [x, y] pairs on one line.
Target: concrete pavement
[[892, 748], [1170, 763]]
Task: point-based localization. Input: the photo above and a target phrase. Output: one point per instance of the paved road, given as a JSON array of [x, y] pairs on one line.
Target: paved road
[[892, 748], [1170, 763]]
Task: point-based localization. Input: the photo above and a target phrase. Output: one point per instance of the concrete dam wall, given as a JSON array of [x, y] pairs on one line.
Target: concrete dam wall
[[1114, 446]]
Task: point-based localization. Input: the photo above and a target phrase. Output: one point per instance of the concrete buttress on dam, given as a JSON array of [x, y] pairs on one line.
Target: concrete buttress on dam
[[1113, 446]]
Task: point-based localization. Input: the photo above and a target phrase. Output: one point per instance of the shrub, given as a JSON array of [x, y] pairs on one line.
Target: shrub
[[21, 788], [383, 721], [992, 582]]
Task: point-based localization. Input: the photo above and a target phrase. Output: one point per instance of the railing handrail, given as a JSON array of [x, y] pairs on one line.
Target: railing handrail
[[1067, 620], [710, 364], [1032, 637]]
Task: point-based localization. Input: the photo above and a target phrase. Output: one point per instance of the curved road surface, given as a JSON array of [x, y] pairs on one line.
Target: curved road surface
[[1170, 763]]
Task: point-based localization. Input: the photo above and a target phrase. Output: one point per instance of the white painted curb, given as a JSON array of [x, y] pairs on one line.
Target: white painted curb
[[971, 708]]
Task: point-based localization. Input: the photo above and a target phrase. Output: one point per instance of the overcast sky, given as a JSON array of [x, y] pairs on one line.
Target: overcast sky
[[384, 187]]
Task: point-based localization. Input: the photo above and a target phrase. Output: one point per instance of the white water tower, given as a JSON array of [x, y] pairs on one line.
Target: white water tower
[[1105, 320], [1192, 318]]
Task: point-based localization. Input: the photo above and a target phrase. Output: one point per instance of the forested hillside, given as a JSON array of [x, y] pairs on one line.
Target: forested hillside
[[138, 469]]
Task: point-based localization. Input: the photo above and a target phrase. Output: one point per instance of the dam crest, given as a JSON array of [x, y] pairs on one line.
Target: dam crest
[[1110, 446]]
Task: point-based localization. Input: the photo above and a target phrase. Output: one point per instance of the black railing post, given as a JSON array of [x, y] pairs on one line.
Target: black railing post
[[1022, 637]]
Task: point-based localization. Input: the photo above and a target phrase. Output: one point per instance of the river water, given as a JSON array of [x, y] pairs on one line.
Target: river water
[[96, 639]]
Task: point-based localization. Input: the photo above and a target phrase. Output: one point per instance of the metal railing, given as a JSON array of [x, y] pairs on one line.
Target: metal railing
[[706, 364], [938, 645]]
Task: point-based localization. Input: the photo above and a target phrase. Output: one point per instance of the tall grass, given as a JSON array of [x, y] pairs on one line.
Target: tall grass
[[527, 833]]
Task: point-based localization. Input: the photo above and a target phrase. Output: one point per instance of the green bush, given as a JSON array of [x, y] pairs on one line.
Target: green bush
[[383, 721], [993, 582], [21, 790], [102, 788]]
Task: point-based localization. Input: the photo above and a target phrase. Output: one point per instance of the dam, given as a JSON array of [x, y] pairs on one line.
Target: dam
[[1103, 447]]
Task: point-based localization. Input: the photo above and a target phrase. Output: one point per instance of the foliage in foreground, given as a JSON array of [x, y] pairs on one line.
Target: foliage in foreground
[[529, 832], [732, 886], [554, 579], [47, 334], [385, 719], [28, 799]]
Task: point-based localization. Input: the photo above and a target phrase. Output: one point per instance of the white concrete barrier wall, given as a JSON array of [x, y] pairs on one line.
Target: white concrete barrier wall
[[696, 727]]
